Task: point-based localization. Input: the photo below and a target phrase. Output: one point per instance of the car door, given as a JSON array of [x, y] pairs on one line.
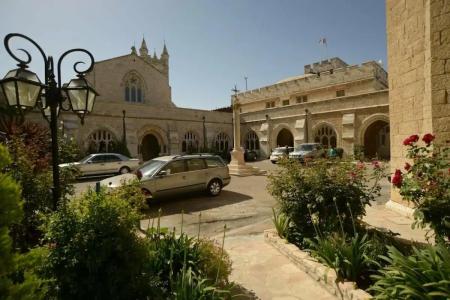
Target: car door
[[171, 179], [196, 174], [112, 163], [93, 166]]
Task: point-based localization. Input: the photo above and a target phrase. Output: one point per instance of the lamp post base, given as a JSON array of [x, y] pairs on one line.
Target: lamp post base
[[238, 167]]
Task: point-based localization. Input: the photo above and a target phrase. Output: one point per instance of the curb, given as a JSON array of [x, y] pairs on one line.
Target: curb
[[324, 275]]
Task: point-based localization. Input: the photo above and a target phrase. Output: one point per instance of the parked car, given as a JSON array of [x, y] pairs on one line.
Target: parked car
[[170, 175], [280, 152], [104, 163], [308, 151], [250, 155]]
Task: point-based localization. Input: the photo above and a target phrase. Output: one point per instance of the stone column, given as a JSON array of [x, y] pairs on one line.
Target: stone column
[[237, 155], [237, 164]]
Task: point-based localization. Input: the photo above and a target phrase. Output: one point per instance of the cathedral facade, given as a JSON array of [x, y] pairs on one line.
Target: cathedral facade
[[135, 105], [332, 103]]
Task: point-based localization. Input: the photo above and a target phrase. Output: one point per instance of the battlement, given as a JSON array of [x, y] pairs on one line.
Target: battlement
[[346, 74], [325, 65]]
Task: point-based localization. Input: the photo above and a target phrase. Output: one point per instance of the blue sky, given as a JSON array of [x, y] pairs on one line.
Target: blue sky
[[212, 44]]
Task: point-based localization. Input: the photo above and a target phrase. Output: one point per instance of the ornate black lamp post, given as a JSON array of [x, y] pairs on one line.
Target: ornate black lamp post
[[24, 91]]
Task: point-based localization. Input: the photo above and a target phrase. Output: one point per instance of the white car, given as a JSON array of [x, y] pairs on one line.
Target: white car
[[104, 163], [280, 152], [308, 151]]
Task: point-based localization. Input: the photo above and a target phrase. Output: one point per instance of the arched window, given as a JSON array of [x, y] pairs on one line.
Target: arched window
[[252, 141], [222, 142], [101, 141], [190, 142], [326, 136], [133, 89]]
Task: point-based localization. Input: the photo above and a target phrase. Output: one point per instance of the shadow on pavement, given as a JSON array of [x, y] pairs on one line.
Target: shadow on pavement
[[193, 202]]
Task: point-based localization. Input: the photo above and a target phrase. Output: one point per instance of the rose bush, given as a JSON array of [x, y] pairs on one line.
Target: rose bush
[[426, 184]]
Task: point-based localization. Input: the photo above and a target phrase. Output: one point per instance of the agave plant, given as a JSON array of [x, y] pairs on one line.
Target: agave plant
[[282, 223], [423, 275]]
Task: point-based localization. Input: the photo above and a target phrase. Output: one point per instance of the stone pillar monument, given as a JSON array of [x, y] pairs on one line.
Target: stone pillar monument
[[237, 164], [418, 40]]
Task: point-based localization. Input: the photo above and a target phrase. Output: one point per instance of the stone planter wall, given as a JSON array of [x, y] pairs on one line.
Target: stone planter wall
[[324, 275]]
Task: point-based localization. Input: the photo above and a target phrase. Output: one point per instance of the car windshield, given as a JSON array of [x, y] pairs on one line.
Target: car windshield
[[84, 160], [306, 147], [279, 150], [150, 167]]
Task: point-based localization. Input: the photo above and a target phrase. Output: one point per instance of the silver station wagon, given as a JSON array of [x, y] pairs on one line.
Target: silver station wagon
[[171, 175]]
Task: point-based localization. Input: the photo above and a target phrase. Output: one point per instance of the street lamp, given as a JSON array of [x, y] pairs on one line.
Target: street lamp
[[24, 91]]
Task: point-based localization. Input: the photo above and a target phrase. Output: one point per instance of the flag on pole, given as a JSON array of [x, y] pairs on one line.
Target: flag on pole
[[323, 41]]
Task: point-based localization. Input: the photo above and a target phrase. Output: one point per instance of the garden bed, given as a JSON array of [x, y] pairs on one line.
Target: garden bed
[[322, 274]]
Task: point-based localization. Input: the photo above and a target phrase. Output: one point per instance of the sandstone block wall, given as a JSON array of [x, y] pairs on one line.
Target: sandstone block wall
[[418, 39]]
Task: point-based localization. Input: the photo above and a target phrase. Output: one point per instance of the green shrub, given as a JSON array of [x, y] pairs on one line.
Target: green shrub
[[190, 286], [131, 193], [426, 183], [352, 259], [423, 275], [282, 223], [171, 255], [333, 194], [95, 252], [18, 272]]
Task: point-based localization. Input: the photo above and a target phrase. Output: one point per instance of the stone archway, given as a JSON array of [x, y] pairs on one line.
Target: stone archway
[[376, 140], [285, 138], [150, 147]]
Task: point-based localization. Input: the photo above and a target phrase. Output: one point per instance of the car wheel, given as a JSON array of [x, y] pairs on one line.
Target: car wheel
[[124, 170], [214, 187], [273, 161]]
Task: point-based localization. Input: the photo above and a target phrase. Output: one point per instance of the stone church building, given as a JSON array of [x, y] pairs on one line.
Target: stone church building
[[135, 100], [331, 103]]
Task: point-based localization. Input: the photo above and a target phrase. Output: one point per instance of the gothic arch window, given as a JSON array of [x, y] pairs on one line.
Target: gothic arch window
[[252, 141], [134, 89], [326, 136], [101, 141], [222, 142], [190, 142]]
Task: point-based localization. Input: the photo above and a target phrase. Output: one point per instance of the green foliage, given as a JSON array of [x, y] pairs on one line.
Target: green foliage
[[358, 152], [352, 259], [29, 145], [324, 196], [173, 255], [67, 148], [131, 193], [427, 185], [18, 277], [423, 275], [121, 148], [282, 223], [190, 286], [95, 253]]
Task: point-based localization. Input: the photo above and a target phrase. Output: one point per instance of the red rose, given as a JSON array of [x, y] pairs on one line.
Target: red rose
[[407, 166], [410, 140], [360, 165], [376, 164], [397, 179], [428, 138]]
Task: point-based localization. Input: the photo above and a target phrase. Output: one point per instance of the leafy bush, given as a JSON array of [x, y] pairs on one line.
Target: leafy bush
[[352, 259], [18, 277], [282, 223], [131, 193], [171, 256], [95, 252], [426, 184], [423, 275], [332, 193]]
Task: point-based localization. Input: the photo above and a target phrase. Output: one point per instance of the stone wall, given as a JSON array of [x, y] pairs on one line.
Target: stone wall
[[418, 38]]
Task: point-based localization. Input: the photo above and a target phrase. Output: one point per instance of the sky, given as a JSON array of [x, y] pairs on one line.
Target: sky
[[213, 44]]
